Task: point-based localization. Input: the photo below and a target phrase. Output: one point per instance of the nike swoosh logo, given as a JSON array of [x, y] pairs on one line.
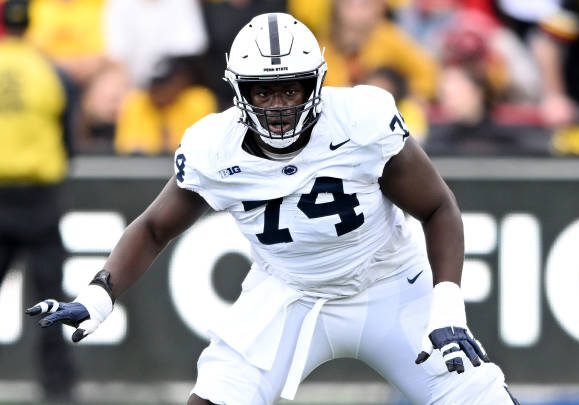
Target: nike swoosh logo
[[413, 279], [334, 147]]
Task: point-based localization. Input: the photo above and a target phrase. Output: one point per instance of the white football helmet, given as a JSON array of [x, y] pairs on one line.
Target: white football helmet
[[276, 47]]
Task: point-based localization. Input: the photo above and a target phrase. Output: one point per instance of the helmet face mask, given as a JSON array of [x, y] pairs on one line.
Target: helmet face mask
[[276, 48], [280, 124]]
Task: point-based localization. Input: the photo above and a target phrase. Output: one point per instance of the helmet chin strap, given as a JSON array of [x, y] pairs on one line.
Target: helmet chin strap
[[278, 143], [274, 152]]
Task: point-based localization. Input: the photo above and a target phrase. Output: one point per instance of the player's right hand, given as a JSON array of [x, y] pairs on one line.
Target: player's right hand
[[85, 313]]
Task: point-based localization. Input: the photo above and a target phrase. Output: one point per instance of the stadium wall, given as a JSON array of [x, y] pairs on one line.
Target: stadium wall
[[520, 279]]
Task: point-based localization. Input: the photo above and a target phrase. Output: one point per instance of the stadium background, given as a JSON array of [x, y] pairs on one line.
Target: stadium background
[[520, 214], [521, 225]]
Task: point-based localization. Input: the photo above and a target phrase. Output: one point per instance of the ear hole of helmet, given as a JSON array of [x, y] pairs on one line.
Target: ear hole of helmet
[[309, 86], [244, 88]]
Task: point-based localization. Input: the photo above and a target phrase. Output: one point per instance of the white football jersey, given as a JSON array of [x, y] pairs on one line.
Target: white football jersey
[[318, 221]]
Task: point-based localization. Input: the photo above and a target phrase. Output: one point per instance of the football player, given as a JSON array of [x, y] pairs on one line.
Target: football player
[[317, 180]]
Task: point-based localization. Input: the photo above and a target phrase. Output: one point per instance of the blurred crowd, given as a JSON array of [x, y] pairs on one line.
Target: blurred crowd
[[471, 77]]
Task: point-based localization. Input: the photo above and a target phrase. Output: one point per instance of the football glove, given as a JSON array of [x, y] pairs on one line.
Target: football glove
[[90, 308], [447, 330]]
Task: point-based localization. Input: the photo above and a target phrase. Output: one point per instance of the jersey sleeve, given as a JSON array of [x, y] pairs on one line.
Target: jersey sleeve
[[384, 130], [191, 165]]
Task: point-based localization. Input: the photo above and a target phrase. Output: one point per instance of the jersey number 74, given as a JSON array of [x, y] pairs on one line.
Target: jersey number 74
[[342, 205]]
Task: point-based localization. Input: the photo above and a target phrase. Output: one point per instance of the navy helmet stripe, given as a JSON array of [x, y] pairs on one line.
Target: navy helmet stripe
[[273, 39]]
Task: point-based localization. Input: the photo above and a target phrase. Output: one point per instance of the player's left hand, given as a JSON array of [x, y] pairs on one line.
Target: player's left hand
[[451, 341], [447, 330]]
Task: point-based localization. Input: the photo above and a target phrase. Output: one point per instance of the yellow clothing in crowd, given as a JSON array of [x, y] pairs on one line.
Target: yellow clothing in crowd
[[317, 14], [388, 46], [67, 28], [144, 129], [32, 100], [566, 140]]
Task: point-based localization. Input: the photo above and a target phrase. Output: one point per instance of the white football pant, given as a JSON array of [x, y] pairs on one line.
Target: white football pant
[[381, 326]]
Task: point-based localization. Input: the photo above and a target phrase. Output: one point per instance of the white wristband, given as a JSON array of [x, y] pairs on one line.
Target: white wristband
[[97, 302], [447, 307]]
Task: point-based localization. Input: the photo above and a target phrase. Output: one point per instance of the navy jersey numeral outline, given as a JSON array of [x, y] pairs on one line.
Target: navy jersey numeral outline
[[398, 121], [180, 165]]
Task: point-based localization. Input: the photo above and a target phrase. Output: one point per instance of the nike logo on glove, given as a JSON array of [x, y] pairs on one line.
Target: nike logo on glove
[[336, 146], [413, 279]]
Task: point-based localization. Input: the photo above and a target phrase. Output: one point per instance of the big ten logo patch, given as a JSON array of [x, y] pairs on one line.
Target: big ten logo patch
[[230, 171]]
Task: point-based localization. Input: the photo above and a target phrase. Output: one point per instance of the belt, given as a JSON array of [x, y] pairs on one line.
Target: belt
[[302, 350]]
